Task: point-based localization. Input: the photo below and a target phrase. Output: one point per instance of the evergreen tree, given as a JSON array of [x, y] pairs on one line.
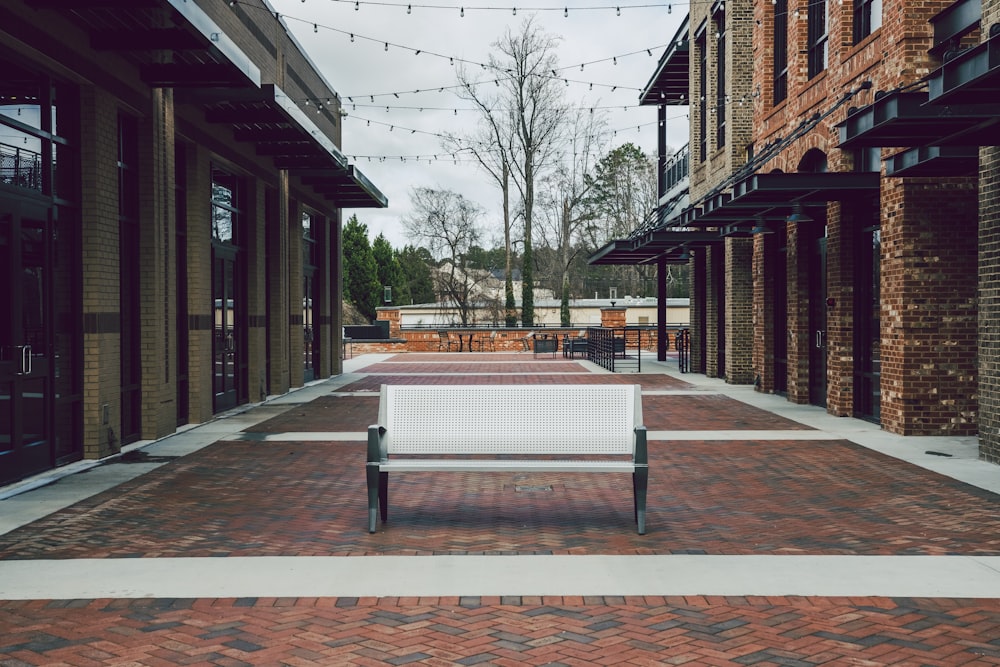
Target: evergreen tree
[[415, 264], [361, 283], [389, 272]]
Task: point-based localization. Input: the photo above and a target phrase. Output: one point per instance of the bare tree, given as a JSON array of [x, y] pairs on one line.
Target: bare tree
[[565, 197], [525, 116], [448, 224]]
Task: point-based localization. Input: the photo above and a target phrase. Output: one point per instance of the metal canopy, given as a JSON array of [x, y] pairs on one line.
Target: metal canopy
[[970, 77], [279, 129], [173, 43], [773, 196], [665, 244], [670, 82], [934, 161], [905, 119]]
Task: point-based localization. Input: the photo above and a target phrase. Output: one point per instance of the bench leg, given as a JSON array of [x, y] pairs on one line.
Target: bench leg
[[372, 473], [640, 481], [383, 494]]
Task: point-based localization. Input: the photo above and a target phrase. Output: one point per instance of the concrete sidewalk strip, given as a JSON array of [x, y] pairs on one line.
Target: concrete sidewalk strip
[[433, 576]]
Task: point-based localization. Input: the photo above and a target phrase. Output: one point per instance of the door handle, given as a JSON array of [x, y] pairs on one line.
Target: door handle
[[819, 340], [25, 351]]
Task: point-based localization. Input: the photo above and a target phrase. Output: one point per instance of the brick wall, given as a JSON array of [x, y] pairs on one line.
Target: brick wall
[[929, 318], [739, 310], [989, 286], [100, 237], [715, 294]]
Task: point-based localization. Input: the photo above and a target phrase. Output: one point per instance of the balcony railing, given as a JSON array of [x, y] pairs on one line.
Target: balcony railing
[[20, 167]]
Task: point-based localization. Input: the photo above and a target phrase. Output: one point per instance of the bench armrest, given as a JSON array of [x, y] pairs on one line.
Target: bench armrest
[[376, 445], [641, 457]]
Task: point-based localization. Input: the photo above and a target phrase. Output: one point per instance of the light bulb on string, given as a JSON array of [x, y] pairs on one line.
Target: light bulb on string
[[618, 11], [566, 12], [409, 9], [461, 11]]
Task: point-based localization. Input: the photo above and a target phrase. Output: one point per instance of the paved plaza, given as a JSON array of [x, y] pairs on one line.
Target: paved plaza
[[777, 535]]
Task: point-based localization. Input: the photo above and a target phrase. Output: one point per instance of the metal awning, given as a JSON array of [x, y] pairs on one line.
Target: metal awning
[[970, 77], [281, 131], [670, 82], [173, 43], [905, 119], [774, 196], [664, 244], [934, 161]]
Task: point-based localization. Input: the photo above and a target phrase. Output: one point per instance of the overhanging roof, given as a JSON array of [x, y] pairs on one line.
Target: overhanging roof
[[773, 196], [281, 131], [665, 244], [201, 53], [934, 161], [970, 77], [670, 82], [905, 119]]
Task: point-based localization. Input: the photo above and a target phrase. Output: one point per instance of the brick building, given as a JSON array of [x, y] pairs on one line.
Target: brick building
[[855, 216], [170, 196]]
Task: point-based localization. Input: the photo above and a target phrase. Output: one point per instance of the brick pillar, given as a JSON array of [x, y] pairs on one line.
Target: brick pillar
[[613, 317], [799, 334], [101, 306], [739, 310], [277, 285], [698, 299], [295, 321], [391, 314], [158, 277], [840, 251], [929, 282], [714, 295]]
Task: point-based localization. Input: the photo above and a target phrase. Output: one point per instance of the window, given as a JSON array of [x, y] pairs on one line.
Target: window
[[780, 70], [720, 80], [867, 18], [702, 105], [817, 36]]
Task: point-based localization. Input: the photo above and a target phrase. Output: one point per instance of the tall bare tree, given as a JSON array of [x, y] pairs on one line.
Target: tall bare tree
[[525, 113], [448, 224], [565, 198]]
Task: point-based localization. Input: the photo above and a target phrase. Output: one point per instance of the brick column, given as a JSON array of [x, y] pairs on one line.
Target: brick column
[[613, 317], [714, 294], [929, 283], [158, 277], [739, 306], [277, 271], [101, 306], [390, 314]]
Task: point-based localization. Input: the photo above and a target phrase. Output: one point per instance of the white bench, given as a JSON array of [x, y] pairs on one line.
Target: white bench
[[564, 423]]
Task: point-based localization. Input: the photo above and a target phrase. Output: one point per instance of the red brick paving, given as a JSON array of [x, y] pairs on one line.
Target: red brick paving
[[715, 497], [298, 499], [651, 382], [502, 631]]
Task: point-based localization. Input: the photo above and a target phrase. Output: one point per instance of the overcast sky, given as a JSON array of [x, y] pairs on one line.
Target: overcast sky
[[385, 143]]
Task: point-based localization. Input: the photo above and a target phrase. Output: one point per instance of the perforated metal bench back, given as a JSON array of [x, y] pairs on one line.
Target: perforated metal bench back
[[510, 419]]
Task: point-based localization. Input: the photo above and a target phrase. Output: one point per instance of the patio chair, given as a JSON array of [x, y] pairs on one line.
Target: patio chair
[[488, 341], [444, 340]]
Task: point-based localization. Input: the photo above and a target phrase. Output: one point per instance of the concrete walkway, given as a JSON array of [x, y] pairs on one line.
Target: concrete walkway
[[262, 504]]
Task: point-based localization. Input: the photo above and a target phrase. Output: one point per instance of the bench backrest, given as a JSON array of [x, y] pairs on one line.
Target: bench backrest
[[510, 419]]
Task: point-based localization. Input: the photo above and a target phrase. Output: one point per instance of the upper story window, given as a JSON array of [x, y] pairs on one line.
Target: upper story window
[[780, 68], [702, 49], [817, 36], [720, 75], [867, 18]]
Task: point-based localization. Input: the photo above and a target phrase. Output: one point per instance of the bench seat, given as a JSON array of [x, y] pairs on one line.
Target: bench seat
[[504, 429]]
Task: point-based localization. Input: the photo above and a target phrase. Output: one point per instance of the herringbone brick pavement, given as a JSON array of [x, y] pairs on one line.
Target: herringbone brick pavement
[[502, 631], [287, 498]]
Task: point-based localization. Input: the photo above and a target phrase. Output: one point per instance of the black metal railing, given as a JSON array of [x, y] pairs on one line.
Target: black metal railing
[[683, 343]]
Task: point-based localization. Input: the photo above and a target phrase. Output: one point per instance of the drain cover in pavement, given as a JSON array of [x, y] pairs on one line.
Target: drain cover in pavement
[[528, 489]]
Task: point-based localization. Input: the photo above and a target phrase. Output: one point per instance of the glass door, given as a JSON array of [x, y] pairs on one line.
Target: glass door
[[25, 340]]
